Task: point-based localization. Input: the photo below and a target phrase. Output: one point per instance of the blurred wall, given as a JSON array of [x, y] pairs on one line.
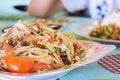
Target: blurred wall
[[13, 6]]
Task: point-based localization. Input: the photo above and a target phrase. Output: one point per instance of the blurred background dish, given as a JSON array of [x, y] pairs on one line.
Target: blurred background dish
[[84, 29], [107, 29]]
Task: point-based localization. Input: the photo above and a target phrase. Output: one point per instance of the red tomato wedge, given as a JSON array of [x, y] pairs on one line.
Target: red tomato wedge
[[30, 38], [19, 64], [39, 66], [8, 49]]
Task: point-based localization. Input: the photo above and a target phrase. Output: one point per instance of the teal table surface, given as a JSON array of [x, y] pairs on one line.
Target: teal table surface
[[91, 71]]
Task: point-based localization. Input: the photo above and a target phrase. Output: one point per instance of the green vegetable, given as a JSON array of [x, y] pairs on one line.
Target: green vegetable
[[103, 37], [25, 53], [109, 28], [40, 33], [52, 49], [56, 43], [66, 66]]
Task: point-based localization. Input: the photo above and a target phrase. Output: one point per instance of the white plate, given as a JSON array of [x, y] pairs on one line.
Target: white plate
[[100, 51], [83, 29]]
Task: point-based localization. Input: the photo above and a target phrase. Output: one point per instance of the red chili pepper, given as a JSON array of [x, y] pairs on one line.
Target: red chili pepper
[[75, 47]]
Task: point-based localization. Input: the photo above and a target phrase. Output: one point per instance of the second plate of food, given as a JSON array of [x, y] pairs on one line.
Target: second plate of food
[[92, 30]]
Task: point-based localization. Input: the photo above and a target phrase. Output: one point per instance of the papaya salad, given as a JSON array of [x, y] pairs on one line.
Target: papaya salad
[[109, 28], [37, 48], [110, 32]]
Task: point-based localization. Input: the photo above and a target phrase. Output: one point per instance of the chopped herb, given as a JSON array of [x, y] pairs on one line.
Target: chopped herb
[[66, 66], [52, 49], [25, 53], [40, 33], [56, 43]]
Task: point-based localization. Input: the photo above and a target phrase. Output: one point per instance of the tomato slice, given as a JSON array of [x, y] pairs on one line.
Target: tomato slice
[[30, 37], [39, 66], [8, 49], [60, 40], [19, 64]]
